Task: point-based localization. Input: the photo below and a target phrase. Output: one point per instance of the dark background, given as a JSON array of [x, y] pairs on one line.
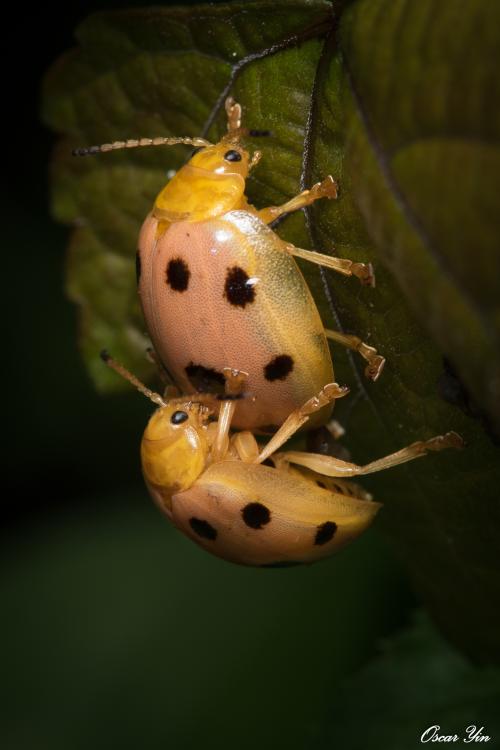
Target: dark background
[[62, 428], [115, 629]]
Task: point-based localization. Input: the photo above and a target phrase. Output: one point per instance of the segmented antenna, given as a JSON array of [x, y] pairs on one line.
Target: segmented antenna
[[234, 130], [137, 143], [233, 112], [121, 370], [256, 157]]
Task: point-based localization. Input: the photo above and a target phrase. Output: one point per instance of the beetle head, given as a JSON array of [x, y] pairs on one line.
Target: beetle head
[[224, 158], [174, 446], [211, 183]]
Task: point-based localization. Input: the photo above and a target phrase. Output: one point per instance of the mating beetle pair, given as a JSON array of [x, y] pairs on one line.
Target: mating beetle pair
[[232, 322], [216, 489]]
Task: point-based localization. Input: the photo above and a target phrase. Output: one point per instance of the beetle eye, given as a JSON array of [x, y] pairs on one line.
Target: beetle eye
[[232, 155], [178, 417]]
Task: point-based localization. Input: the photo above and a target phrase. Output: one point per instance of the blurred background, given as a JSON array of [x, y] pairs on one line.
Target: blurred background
[[115, 630]]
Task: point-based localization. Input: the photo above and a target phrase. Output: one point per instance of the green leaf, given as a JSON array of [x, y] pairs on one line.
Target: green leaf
[[164, 72], [420, 683], [396, 99]]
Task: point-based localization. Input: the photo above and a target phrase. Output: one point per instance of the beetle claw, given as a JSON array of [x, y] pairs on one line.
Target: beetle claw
[[374, 368]]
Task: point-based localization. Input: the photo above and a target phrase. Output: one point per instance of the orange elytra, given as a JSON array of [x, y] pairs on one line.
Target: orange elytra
[[220, 289]]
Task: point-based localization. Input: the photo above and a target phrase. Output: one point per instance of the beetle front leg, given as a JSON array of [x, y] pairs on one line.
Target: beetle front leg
[[300, 416], [235, 383], [375, 361], [334, 467], [327, 188]]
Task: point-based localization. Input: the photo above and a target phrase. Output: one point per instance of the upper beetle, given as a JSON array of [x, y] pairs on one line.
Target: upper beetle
[[220, 289]]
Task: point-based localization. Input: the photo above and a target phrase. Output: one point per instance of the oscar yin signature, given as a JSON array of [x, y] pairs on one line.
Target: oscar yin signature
[[471, 734]]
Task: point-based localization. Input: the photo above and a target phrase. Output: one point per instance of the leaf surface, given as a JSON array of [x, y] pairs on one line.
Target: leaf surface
[[380, 94], [421, 683]]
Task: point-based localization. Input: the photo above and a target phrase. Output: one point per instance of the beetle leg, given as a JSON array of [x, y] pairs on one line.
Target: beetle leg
[[334, 467], [327, 188], [335, 429], [364, 271], [163, 374], [235, 383], [171, 392], [300, 416], [221, 442], [375, 361], [246, 446]]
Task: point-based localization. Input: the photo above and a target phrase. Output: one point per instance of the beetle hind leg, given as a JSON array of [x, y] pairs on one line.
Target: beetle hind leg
[[334, 467]]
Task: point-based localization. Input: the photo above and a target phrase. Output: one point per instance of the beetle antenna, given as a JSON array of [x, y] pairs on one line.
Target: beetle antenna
[[138, 142], [121, 370], [234, 130], [259, 133], [233, 112], [256, 157]]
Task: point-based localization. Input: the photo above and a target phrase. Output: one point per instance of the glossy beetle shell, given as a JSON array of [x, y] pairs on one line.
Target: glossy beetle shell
[[268, 325], [305, 522]]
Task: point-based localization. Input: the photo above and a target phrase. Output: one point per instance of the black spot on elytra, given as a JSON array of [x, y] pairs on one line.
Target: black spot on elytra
[[237, 289], [205, 379], [138, 266], [284, 564], [325, 532], [203, 529], [279, 367], [178, 274], [256, 515]]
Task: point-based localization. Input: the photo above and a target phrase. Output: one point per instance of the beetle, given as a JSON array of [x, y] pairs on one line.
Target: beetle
[[255, 506], [219, 288]]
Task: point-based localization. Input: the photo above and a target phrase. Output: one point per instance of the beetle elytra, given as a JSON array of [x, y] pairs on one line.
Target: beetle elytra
[[219, 288]]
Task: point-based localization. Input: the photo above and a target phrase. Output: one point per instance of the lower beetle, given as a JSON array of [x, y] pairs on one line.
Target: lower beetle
[[251, 506]]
